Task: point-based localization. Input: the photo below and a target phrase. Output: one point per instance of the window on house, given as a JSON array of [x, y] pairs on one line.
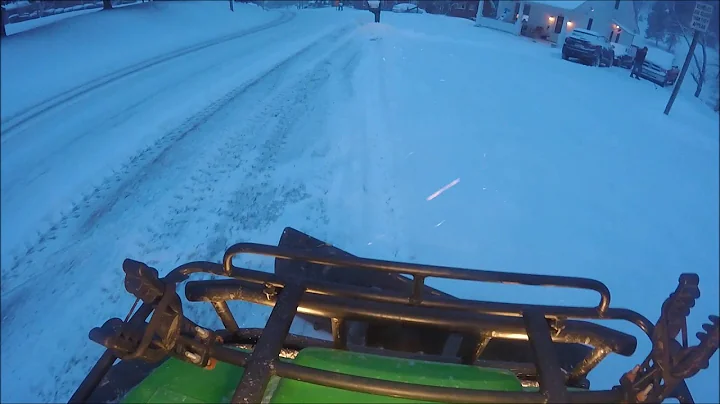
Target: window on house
[[617, 4], [589, 26]]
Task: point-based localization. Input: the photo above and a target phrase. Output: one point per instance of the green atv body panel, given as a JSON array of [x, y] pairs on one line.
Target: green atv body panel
[[177, 381], [386, 368]]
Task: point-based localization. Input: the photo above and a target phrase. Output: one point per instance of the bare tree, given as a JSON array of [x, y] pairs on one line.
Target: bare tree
[[699, 75], [638, 6], [2, 17], [687, 33]]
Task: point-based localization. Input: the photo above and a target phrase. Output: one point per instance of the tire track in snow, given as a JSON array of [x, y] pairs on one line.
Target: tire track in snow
[[254, 205], [65, 259], [385, 153], [107, 124], [118, 117], [260, 187], [12, 122], [178, 149], [245, 164], [273, 124], [363, 186], [264, 84]]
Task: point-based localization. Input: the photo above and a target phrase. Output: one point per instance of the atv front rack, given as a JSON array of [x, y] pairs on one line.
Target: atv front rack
[[170, 333]]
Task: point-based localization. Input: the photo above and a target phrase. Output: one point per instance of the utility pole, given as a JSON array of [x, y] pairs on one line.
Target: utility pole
[[2, 16], [701, 20]]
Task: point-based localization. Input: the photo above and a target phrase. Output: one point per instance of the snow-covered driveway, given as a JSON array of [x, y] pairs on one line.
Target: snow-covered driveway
[[343, 129]]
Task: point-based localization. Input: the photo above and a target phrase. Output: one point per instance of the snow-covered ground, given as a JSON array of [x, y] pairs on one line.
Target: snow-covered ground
[[320, 120], [52, 59]]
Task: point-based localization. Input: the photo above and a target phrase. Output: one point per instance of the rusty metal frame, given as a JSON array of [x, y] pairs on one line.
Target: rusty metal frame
[[292, 295]]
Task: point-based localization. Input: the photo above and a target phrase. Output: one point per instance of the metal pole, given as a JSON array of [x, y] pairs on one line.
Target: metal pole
[[231, 6], [680, 79]]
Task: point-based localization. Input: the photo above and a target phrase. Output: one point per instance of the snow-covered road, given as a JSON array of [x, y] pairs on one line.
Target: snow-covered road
[[226, 171], [343, 129]]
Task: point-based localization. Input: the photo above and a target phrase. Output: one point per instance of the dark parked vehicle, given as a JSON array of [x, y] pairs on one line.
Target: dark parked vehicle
[[624, 61], [624, 55], [588, 46]]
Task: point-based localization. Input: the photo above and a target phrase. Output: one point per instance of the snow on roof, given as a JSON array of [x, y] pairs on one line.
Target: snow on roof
[[565, 4], [629, 28], [587, 31]]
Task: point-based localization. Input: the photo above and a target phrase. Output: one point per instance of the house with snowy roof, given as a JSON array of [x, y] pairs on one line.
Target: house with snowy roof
[[552, 20]]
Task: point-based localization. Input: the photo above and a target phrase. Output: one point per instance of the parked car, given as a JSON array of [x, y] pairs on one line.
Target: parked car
[[654, 72], [659, 75], [407, 8], [589, 47], [624, 61], [624, 55]]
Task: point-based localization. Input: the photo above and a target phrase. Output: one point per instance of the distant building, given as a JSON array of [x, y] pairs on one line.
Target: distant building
[[464, 9], [551, 20]]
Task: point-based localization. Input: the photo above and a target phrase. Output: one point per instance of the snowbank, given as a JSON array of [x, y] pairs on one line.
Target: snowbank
[[53, 15], [16, 5], [23, 26], [42, 63]]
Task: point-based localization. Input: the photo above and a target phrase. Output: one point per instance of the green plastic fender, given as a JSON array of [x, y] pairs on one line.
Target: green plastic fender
[[386, 368], [178, 382]]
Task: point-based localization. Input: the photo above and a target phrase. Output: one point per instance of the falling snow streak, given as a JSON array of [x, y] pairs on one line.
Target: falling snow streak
[[443, 189]]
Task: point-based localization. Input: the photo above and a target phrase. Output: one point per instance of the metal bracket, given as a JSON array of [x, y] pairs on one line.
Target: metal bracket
[[151, 341]]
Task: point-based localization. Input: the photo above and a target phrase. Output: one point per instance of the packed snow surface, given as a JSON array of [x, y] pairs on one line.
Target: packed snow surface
[[422, 138]]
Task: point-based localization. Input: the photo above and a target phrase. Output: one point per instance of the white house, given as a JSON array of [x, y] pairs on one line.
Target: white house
[[553, 19]]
